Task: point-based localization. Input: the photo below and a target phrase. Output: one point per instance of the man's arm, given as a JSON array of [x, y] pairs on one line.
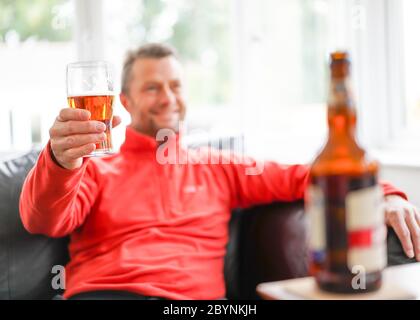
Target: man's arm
[[54, 200], [276, 182], [272, 182], [60, 190]]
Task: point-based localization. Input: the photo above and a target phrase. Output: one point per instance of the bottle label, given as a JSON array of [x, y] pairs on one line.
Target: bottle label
[[366, 231], [340, 93], [315, 209]]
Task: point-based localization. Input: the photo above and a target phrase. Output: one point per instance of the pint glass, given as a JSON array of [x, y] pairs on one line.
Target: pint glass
[[90, 87]]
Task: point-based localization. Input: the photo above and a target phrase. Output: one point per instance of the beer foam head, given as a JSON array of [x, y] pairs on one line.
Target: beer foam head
[[92, 94]]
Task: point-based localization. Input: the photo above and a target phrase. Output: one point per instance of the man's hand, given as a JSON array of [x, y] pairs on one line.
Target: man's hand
[[404, 218], [73, 136]]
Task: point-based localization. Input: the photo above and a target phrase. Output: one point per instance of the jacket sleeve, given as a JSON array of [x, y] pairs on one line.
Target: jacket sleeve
[[272, 181], [54, 200]]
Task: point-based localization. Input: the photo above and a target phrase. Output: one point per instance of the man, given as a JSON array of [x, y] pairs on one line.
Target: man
[[142, 228]]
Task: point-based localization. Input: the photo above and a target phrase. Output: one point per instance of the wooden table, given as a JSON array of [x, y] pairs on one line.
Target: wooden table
[[404, 279]]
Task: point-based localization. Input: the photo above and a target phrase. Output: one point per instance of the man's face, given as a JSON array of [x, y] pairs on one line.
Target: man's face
[[155, 95]]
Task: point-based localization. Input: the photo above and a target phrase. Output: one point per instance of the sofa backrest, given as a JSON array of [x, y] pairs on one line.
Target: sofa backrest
[[26, 260], [265, 244]]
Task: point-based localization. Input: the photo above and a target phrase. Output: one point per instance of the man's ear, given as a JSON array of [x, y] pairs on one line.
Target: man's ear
[[124, 102]]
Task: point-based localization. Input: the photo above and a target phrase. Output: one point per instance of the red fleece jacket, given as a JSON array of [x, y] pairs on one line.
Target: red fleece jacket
[[145, 227]]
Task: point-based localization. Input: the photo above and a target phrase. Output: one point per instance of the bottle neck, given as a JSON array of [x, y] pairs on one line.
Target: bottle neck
[[341, 111]]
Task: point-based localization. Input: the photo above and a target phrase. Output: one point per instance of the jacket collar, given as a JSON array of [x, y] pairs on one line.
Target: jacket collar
[[139, 142]]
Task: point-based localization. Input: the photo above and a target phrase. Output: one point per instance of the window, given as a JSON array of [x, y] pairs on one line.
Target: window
[[283, 74], [254, 68], [35, 45], [286, 46], [411, 49], [388, 48]]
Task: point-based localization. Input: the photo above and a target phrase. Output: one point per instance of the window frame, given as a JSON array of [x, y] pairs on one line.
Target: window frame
[[89, 29]]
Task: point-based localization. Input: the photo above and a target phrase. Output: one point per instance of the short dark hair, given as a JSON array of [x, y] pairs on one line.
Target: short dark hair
[[147, 51]]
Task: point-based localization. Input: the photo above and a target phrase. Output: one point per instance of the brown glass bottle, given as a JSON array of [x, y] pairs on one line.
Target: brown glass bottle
[[343, 201]]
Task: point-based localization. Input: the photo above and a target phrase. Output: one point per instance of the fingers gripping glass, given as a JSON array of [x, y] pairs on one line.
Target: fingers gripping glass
[[90, 87]]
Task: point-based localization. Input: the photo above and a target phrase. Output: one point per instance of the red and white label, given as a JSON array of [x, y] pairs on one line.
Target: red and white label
[[366, 232]]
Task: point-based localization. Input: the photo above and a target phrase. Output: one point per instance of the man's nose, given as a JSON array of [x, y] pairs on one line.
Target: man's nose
[[167, 97]]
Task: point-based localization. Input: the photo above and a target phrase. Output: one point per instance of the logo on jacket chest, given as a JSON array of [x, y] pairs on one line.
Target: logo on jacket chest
[[191, 189]]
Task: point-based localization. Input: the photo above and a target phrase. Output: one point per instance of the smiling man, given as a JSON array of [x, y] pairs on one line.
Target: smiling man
[[140, 229], [152, 90]]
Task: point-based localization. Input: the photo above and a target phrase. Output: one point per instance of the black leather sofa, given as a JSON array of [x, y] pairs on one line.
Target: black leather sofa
[[267, 243]]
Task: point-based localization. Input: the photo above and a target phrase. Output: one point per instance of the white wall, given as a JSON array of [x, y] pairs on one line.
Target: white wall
[[406, 178]]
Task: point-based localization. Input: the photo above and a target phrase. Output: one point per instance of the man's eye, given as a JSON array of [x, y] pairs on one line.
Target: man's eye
[[151, 88], [176, 86]]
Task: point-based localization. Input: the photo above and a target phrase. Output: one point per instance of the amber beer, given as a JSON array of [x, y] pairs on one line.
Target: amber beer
[[100, 107], [343, 201]]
